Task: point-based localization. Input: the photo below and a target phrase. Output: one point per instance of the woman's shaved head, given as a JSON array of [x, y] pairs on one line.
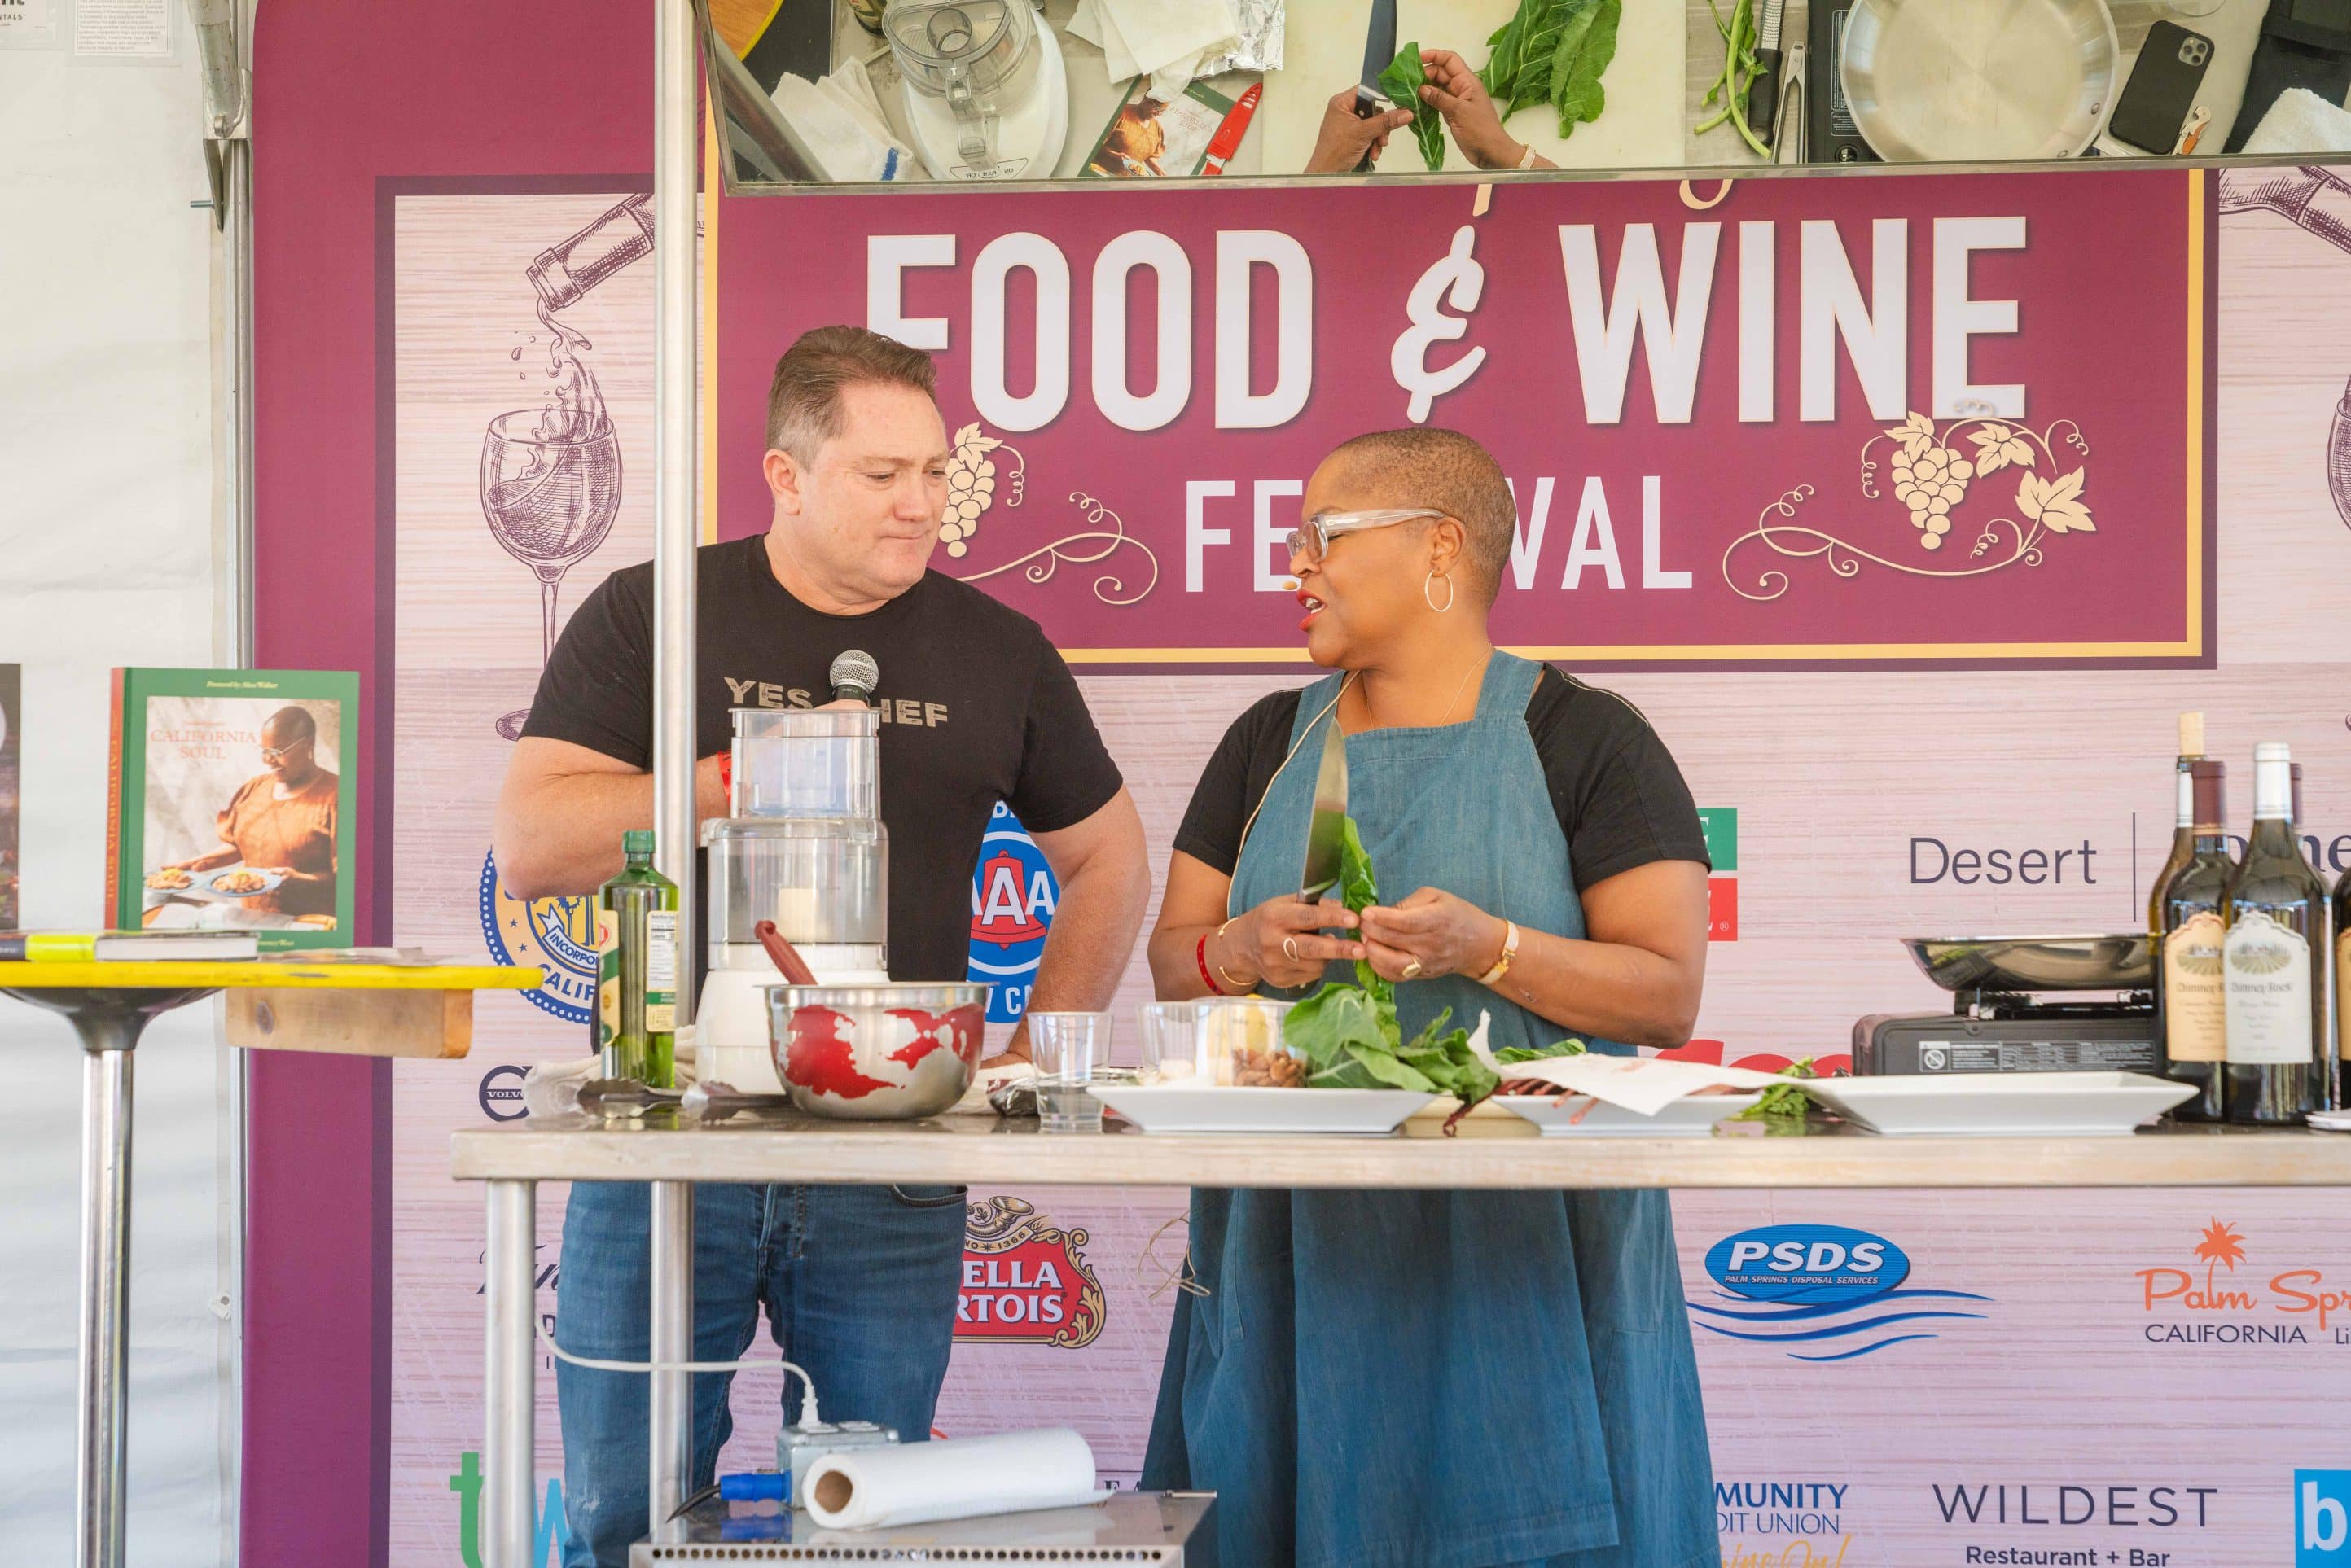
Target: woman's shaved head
[[1444, 470]]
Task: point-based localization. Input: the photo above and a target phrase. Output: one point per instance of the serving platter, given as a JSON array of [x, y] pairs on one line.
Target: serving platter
[[203, 885], [2002, 1105], [1210, 1108], [1580, 1115]]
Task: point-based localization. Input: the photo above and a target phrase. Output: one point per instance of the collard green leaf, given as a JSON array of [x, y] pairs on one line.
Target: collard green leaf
[[1546, 20], [1505, 52], [1359, 890], [1402, 83], [1568, 1047], [1586, 45]]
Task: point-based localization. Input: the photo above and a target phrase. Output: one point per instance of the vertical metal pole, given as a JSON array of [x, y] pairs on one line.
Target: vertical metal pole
[[105, 1287], [510, 1442], [676, 99]]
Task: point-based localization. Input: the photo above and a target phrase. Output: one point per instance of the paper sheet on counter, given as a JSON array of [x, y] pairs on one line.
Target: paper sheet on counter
[[1644, 1085]]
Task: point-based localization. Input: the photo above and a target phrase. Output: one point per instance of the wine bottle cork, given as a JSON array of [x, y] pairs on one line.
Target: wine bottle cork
[[2191, 734]]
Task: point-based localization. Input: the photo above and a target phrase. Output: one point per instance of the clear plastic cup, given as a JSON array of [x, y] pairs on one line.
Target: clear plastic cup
[[1171, 1037], [1240, 1044], [1066, 1049]]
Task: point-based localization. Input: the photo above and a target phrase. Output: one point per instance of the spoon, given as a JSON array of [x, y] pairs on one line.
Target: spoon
[[787, 958]]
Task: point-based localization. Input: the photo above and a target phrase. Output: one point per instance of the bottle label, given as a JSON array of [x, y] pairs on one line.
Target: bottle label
[[2266, 966], [2195, 1017], [661, 972], [607, 976]]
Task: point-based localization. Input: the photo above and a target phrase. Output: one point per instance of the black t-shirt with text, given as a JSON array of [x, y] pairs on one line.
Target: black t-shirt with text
[[1616, 790], [977, 706]]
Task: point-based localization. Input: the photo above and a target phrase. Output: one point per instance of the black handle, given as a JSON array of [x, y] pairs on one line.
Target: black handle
[[1763, 95], [1365, 107]]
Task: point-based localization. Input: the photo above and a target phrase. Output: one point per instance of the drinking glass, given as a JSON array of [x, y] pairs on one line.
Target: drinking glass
[[1066, 1047], [1171, 1034]]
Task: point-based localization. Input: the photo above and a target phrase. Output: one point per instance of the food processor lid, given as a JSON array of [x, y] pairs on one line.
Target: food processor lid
[[982, 42], [747, 832]]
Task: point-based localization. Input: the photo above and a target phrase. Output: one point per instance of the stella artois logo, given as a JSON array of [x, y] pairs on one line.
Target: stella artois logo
[[1025, 1281]]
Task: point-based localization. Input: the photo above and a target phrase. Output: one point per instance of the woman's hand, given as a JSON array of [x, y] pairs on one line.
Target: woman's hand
[[1280, 942], [1345, 139], [1455, 91], [1433, 929]]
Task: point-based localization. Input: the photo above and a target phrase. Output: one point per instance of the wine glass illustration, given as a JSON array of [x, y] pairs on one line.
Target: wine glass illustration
[[551, 488]]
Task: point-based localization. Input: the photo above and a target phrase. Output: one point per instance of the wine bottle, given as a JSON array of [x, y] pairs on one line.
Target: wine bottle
[[2342, 984], [2189, 1000], [636, 965], [2183, 827], [2275, 912]]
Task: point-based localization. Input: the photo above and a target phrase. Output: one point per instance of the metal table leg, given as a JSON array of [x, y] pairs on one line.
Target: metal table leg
[[109, 1022], [670, 1408], [509, 1446]]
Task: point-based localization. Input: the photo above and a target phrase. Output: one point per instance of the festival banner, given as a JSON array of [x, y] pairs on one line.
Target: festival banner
[[1925, 420]]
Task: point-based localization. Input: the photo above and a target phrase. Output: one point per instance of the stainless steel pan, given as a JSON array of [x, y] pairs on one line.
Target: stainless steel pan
[[1979, 81]]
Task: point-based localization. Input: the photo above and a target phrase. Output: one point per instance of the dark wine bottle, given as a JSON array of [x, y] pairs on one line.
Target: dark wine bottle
[[2277, 915], [2183, 827], [2189, 998], [2342, 984]]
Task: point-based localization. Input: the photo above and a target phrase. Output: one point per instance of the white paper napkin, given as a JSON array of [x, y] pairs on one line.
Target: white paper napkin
[[1644, 1084]]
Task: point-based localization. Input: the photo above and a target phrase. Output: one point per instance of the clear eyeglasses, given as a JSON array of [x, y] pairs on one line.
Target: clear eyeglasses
[[1313, 540]]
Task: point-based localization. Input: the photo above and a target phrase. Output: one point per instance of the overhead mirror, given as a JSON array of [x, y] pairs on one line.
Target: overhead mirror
[[889, 92]]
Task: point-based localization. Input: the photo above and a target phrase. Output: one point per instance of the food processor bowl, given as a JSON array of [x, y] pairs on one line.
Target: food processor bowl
[[977, 56]]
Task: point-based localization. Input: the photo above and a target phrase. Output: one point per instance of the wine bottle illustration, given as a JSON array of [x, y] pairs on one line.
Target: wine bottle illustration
[[550, 475], [2319, 201]]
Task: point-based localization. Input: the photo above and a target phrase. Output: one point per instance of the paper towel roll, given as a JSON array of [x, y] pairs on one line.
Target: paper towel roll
[[960, 1477]]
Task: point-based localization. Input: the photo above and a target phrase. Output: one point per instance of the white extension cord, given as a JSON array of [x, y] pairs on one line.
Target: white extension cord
[[808, 1385]]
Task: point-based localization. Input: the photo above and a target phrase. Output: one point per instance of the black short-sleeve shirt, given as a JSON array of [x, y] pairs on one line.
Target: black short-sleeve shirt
[[977, 706], [1618, 793]]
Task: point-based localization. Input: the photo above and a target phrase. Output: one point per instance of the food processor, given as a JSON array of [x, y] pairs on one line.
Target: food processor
[[986, 94], [803, 845]]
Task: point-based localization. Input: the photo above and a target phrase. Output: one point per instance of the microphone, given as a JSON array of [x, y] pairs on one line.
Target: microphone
[[854, 675]]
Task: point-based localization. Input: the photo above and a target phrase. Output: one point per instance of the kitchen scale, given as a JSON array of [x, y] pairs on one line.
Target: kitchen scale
[[2022, 1004], [986, 94]]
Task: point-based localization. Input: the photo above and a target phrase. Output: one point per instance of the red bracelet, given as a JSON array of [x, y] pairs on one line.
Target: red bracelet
[[1201, 957]]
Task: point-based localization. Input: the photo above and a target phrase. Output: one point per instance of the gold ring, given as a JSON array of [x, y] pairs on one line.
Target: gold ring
[[1412, 970], [1289, 946]]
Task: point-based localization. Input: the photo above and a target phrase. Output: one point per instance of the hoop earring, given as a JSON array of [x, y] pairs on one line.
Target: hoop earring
[[1430, 599]]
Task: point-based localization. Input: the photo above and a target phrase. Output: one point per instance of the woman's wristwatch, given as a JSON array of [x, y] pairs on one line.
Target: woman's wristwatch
[[1510, 950]]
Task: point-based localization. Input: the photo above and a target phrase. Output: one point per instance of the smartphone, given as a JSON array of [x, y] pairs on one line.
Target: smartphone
[[2161, 91]]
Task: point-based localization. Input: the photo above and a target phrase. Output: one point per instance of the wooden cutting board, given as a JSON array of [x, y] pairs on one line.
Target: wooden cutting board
[[1324, 48]]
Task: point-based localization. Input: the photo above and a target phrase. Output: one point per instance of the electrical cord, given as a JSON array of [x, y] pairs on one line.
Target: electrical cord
[[808, 1385]]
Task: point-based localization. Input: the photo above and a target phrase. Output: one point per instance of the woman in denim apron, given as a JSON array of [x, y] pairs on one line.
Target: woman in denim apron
[[1374, 1379]]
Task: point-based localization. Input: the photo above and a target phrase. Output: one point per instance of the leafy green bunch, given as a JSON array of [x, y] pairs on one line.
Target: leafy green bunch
[[1554, 51], [1402, 83], [1349, 1034]]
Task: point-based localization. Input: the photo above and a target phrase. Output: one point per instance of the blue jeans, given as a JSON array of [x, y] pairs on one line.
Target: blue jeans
[[860, 1284]]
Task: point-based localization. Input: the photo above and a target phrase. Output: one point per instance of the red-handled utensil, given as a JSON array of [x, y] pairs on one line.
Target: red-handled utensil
[[787, 956]]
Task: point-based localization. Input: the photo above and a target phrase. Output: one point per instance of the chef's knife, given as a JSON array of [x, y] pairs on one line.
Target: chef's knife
[[1763, 92], [1379, 53], [1328, 824]]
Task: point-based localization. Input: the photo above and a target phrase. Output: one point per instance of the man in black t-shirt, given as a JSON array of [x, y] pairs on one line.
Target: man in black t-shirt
[[859, 1283]]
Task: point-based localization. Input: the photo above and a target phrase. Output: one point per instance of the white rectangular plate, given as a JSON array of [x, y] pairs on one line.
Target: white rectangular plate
[[2002, 1105], [1163, 1109], [1693, 1115]]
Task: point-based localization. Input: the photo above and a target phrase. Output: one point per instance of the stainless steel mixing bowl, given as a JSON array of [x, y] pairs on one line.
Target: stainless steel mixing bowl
[[2121, 963], [876, 1053]]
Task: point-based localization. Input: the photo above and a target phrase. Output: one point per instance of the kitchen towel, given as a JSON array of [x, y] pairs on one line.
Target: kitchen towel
[[1163, 39], [840, 121], [2302, 121], [955, 1478]]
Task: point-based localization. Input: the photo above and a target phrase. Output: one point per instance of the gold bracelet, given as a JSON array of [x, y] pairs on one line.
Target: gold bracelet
[[1510, 950], [1240, 987]]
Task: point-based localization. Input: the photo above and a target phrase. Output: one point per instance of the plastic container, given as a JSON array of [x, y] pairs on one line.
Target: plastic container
[[1238, 1045], [805, 763], [824, 880]]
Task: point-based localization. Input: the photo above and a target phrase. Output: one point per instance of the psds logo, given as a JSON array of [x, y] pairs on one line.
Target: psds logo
[[1827, 1286]]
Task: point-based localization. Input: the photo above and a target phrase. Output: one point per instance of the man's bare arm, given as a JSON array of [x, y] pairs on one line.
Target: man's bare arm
[[563, 809], [1104, 870]]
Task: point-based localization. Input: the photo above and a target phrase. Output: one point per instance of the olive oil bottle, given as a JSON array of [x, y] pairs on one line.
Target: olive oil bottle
[[635, 1020]]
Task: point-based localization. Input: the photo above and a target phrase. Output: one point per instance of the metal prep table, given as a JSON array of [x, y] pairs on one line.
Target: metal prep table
[[1138, 1528], [110, 1005], [784, 1147]]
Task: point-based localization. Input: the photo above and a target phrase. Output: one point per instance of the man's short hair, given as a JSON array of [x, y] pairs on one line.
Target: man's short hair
[[804, 399], [1447, 471]]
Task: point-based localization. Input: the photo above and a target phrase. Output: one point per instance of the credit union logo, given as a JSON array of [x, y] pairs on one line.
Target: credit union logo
[[557, 934]]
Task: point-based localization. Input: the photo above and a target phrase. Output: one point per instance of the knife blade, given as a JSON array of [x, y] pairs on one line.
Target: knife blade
[[1327, 826], [1763, 92], [1379, 53]]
